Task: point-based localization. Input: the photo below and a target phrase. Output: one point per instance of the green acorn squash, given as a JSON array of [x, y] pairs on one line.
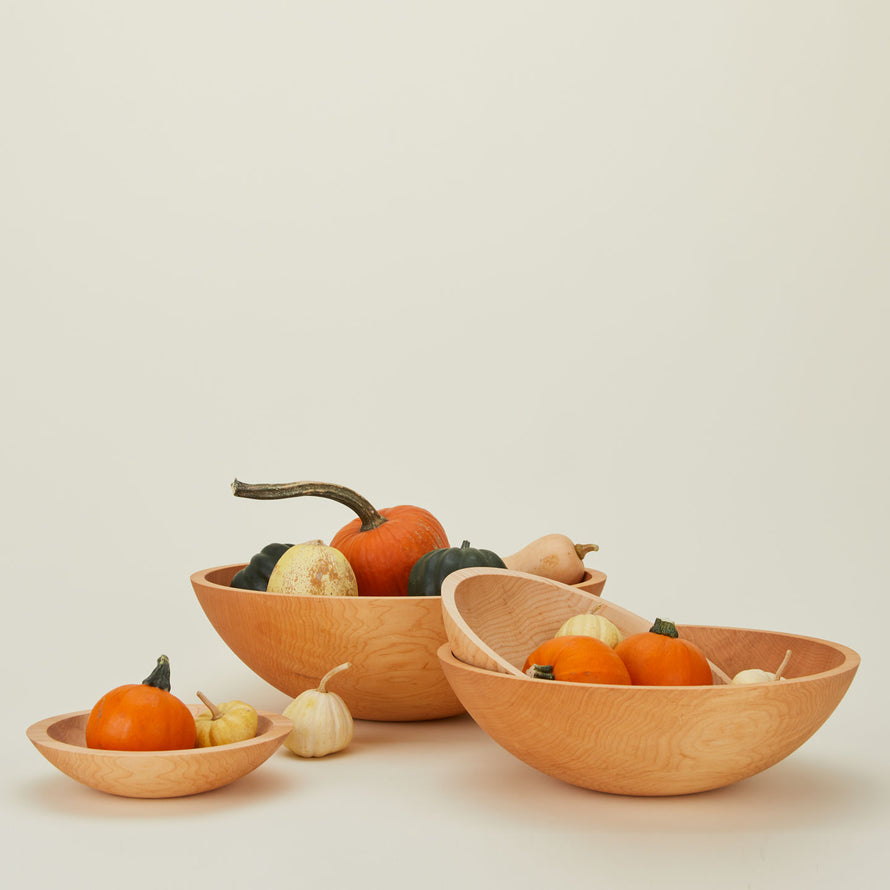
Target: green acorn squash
[[255, 575], [428, 573]]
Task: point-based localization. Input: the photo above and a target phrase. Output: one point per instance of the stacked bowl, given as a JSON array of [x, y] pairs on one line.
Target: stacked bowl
[[292, 640], [634, 740]]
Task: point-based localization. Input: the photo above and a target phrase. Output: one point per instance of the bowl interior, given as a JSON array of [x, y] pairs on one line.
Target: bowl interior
[[593, 582], [495, 617], [71, 730], [739, 649], [513, 612]]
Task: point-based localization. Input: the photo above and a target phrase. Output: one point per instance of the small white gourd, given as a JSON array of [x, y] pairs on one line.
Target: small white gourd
[[596, 626], [756, 675], [322, 722]]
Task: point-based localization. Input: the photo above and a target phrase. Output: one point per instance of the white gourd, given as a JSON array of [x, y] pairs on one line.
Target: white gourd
[[592, 626], [756, 675], [322, 722], [752, 675]]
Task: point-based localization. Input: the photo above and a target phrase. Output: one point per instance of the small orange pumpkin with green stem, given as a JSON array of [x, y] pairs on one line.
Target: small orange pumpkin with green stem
[[142, 716], [577, 659], [659, 657]]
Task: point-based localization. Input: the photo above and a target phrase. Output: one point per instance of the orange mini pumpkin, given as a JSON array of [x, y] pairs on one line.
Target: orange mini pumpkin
[[142, 717], [658, 657], [578, 659]]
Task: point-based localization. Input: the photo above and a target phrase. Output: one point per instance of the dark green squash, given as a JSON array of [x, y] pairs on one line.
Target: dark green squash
[[428, 573], [255, 575]]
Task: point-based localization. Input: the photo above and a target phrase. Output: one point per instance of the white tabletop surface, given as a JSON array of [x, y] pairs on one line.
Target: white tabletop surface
[[614, 270]]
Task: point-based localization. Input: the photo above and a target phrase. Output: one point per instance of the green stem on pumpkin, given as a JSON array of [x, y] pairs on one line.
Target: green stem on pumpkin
[[541, 672], [665, 628], [160, 676]]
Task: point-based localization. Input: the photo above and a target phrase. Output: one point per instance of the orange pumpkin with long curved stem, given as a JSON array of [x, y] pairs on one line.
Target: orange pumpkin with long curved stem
[[142, 717], [381, 546], [659, 657], [578, 659]]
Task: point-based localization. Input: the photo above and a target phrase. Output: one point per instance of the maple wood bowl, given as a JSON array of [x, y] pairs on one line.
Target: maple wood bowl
[[635, 740], [292, 641], [179, 773], [495, 617], [592, 582]]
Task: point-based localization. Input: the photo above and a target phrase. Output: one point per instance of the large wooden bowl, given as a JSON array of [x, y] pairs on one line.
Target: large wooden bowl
[[637, 740], [292, 641], [154, 773]]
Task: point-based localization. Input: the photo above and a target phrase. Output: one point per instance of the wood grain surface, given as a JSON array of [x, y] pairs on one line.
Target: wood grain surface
[[662, 740], [593, 582], [291, 641], [495, 617], [154, 773]]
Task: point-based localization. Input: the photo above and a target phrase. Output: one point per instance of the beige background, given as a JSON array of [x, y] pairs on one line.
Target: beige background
[[617, 270]]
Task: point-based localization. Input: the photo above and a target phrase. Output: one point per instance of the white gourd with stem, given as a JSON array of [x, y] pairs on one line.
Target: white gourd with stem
[[322, 721], [756, 675]]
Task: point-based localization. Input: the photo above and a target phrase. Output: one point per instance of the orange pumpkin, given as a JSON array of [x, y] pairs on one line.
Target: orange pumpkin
[[380, 545], [578, 659], [142, 717], [658, 657]]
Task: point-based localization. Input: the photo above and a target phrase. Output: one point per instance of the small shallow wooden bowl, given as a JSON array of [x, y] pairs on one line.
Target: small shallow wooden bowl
[[292, 641], [154, 773], [495, 617]]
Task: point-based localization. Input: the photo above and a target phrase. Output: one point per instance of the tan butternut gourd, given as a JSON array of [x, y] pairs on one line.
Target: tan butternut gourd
[[554, 556]]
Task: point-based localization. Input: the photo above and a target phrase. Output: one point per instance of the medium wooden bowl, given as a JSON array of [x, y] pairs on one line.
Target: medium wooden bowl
[[292, 641], [154, 773], [495, 617]]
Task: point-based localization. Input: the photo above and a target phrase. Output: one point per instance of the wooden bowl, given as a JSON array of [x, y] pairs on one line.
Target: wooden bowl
[[593, 582], [637, 740], [154, 773], [292, 641], [495, 617], [661, 740]]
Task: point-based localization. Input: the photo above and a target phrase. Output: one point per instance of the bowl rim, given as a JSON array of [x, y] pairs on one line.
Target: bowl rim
[[200, 577], [851, 662], [38, 734], [595, 574]]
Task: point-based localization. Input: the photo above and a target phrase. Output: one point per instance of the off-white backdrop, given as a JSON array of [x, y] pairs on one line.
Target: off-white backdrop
[[616, 270]]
